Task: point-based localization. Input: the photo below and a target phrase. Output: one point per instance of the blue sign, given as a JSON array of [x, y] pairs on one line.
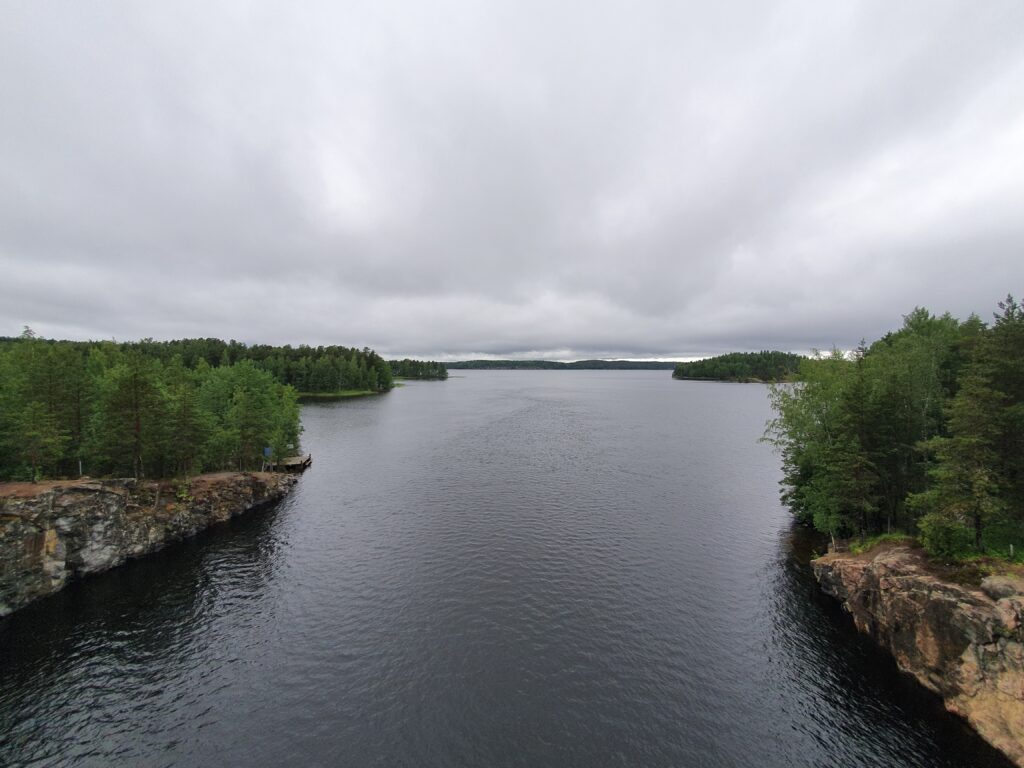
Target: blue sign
[[268, 452]]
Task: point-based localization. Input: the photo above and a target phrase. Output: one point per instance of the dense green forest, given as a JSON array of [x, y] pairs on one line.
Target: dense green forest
[[920, 432], [553, 365], [155, 408], [307, 369], [741, 366], [418, 369]]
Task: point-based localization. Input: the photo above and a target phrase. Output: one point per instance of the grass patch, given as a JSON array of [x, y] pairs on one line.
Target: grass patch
[[858, 546], [953, 542], [1003, 541]]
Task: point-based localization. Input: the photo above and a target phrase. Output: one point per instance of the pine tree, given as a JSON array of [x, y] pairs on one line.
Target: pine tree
[[37, 438]]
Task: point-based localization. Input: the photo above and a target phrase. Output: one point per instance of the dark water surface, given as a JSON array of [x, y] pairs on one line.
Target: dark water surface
[[535, 568]]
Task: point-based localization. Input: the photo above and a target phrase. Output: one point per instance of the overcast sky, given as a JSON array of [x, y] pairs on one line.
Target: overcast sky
[[453, 179]]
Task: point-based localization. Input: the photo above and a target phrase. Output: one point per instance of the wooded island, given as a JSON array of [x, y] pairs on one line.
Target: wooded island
[[418, 369], [741, 367]]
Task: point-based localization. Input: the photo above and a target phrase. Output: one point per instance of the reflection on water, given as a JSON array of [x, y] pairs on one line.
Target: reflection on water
[[85, 672], [508, 568]]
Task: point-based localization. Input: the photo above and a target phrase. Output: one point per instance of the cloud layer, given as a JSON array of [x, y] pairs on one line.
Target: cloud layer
[[450, 179]]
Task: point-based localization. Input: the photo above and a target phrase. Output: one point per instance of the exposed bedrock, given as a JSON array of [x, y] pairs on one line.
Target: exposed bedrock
[[59, 531], [961, 641]]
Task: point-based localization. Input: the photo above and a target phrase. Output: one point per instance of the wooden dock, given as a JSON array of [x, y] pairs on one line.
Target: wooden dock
[[295, 463]]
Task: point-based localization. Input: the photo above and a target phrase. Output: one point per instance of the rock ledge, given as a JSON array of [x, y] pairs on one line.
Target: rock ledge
[[59, 531], [962, 642]]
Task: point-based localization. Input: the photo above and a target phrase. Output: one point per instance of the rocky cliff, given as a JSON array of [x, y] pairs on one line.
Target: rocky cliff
[[962, 641], [58, 531]]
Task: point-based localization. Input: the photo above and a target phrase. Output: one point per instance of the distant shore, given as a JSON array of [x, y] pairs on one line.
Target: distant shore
[[730, 380], [555, 365], [306, 397]]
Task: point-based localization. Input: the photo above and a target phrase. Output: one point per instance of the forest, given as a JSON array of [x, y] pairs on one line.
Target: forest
[[313, 370], [554, 365], [161, 408], [418, 369], [921, 433], [742, 366]]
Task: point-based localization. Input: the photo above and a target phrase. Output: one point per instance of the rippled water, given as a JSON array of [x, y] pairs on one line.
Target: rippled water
[[536, 568]]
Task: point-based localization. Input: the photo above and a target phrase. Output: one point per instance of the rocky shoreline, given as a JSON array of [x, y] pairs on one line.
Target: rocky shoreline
[[59, 531], [965, 642]]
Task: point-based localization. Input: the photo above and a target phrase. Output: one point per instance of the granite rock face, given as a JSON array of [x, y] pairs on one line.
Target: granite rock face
[[71, 529], [965, 643]]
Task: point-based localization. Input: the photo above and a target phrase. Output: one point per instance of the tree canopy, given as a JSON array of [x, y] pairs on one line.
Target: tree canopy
[[922, 431], [741, 366], [155, 409], [418, 369]]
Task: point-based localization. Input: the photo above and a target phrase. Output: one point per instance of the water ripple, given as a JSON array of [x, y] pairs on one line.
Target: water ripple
[[505, 569]]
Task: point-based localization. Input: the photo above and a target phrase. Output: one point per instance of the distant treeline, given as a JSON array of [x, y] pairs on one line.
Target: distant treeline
[[587, 365], [741, 366], [418, 369], [920, 432], [161, 408], [307, 369]]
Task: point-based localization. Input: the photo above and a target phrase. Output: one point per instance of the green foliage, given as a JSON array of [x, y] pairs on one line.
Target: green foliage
[[945, 537], [808, 432], [308, 369], [308, 397], [128, 415], [132, 410], [186, 419], [37, 438], [418, 369], [742, 366], [249, 411], [866, 545], [921, 430], [183, 493], [163, 408], [977, 477], [1004, 538]]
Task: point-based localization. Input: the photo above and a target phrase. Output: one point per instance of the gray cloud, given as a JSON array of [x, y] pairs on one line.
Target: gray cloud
[[461, 178]]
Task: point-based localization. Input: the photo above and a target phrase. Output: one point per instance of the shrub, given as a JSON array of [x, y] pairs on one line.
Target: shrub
[[945, 536]]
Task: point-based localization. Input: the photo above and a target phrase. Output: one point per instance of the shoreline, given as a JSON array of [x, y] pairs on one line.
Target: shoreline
[[962, 641], [313, 397], [730, 381], [59, 531]]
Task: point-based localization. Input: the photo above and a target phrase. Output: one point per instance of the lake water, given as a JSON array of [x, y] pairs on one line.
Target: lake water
[[510, 568]]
